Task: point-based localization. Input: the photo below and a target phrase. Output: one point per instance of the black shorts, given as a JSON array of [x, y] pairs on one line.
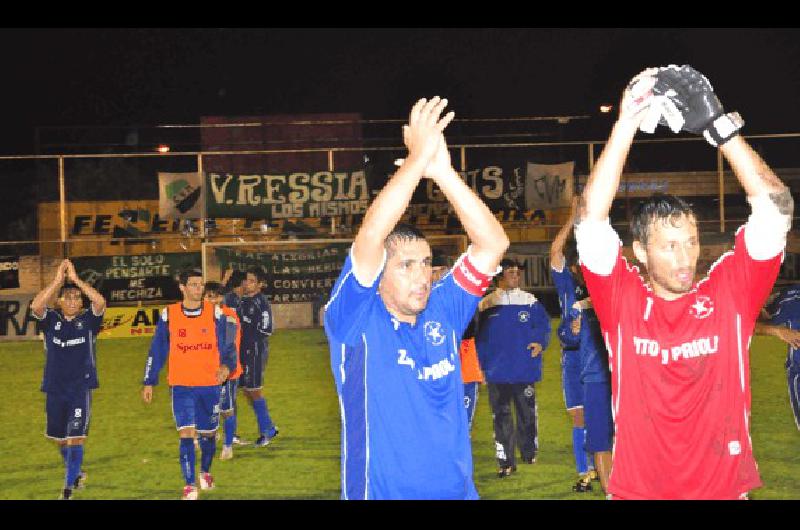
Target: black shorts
[[68, 414]]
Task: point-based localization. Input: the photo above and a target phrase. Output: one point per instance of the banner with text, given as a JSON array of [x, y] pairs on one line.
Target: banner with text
[[16, 321], [122, 322], [312, 194], [142, 278], [9, 272], [181, 195], [549, 185], [305, 275]]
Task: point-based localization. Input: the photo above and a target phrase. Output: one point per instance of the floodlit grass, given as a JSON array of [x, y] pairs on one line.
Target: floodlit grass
[[132, 448]]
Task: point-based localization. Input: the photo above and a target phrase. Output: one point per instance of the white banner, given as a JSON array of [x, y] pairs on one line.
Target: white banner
[[549, 185], [181, 196]]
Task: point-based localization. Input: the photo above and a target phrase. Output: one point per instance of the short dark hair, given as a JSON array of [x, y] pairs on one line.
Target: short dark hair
[[659, 206], [256, 271], [185, 274], [571, 253], [68, 286], [402, 232], [213, 288], [235, 280]]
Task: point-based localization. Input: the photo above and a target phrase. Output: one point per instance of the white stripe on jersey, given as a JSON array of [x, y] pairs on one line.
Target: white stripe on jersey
[[739, 348], [341, 366], [619, 365], [344, 444], [366, 420], [339, 289]]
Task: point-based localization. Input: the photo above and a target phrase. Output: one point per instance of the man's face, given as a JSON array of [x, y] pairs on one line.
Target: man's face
[[406, 281], [670, 256], [251, 284], [511, 278], [71, 302], [213, 298], [193, 290]]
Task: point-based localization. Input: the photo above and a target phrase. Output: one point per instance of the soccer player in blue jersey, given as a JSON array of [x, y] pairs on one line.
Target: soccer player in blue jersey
[[255, 317], [513, 331], [70, 372], [568, 293], [394, 337], [784, 318], [198, 342]]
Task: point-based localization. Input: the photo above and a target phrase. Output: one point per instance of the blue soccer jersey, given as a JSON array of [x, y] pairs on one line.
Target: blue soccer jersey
[[71, 363], [404, 426], [510, 321], [231, 300], [784, 310], [255, 316]]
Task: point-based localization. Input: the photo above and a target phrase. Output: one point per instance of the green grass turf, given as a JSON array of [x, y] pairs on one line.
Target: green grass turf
[[132, 449]]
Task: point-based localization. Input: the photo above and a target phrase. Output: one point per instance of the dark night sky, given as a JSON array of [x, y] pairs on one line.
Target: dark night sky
[[149, 76]]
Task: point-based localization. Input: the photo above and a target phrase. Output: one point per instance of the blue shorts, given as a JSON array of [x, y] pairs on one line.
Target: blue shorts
[[794, 394], [254, 359], [471, 400], [196, 406], [597, 417], [571, 379], [227, 398], [68, 414]]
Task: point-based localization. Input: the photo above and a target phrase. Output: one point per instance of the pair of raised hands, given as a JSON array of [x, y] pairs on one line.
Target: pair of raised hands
[[66, 271], [681, 98], [423, 136]]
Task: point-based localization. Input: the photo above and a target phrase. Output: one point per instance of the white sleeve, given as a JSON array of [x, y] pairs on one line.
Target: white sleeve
[[766, 228], [598, 245]]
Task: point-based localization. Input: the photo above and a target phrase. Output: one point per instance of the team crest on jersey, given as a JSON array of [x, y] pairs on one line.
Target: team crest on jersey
[[434, 333], [79, 325], [182, 333], [702, 307], [57, 326], [524, 316]]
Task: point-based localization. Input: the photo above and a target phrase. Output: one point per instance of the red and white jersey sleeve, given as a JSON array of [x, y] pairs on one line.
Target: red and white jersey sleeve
[[681, 378]]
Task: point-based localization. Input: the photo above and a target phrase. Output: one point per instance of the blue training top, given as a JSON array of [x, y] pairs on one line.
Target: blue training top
[[568, 292], [785, 310], [509, 321], [404, 426], [71, 363]]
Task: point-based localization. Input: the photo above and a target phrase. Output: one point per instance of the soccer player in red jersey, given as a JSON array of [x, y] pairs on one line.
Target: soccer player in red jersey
[[679, 348]]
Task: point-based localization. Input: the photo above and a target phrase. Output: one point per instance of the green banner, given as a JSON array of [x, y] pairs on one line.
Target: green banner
[[304, 275], [313, 194], [145, 277]]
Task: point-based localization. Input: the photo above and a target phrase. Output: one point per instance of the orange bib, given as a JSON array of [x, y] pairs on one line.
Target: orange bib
[[470, 369], [193, 350]]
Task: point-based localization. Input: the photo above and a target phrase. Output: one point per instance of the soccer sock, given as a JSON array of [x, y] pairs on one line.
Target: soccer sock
[[230, 429], [262, 415], [208, 446], [74, 461], [187, 460], [63, 450], [578, 437]]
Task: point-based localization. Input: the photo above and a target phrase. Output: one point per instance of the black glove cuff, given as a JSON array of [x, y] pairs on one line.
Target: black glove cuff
[[723, 128]]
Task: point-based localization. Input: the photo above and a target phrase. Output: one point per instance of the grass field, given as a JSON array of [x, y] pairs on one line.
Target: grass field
[[132, 449]]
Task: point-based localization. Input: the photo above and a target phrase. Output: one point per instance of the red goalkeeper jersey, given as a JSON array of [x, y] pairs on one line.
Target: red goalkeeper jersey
[[680, 374]]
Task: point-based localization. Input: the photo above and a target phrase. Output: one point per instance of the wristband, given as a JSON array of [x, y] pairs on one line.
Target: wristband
[[723, 128], [469, 278]]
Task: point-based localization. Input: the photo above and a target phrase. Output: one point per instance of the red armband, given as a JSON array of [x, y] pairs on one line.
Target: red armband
[[469, 278]]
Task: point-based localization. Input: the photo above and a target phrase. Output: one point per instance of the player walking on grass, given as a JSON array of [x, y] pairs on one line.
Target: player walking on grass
[[255, 318], [197, 340], [70, 372], [394, 338], [513, 330], [678, 349], [213, 293]]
